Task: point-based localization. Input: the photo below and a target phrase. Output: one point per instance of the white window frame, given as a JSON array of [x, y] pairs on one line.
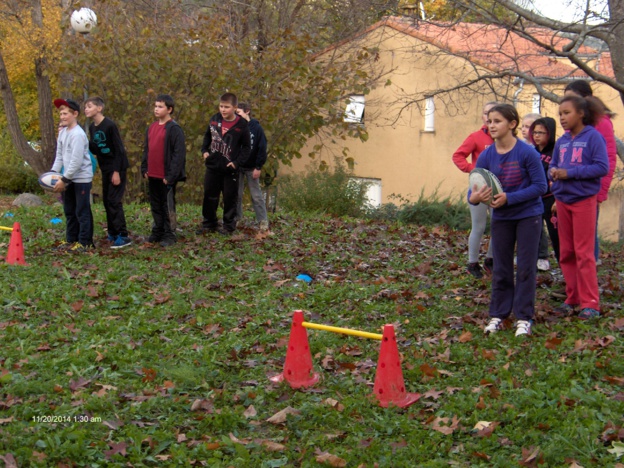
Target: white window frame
[[429, 114], [536, 103], [374, 192], [354, 112]]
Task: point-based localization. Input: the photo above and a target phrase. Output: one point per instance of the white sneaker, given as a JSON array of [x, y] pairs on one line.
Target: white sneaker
[[493, 325], [523, 327], [543, 264]]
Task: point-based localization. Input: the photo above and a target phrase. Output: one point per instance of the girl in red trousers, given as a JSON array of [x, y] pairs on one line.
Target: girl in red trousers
[[579, 162], [605, 128]]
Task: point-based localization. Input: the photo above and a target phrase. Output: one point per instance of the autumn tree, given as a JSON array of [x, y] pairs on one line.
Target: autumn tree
[[200, 55], [30, 34]]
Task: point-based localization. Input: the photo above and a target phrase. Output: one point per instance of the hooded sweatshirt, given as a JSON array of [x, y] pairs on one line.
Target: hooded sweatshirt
[[585, 158], [72, 155], [605, 128], [545, 153], [473, 145], [233, 147], [258, 154]]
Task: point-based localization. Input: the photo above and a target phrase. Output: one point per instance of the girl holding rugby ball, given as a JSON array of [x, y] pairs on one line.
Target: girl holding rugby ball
[[516, 219]]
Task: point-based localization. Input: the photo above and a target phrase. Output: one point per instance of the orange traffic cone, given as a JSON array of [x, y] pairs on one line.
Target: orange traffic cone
[[389, 385], [298, 370], [16, 247]]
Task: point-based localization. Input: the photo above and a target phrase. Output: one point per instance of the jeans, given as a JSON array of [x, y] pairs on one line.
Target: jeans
[[257, 197], [77, 208]]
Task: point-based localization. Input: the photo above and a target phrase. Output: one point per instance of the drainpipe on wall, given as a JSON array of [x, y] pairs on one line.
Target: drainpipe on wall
[[520, 81]]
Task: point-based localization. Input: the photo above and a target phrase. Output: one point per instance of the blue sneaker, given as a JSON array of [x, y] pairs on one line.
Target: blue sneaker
[[121, 242], [110, 238]]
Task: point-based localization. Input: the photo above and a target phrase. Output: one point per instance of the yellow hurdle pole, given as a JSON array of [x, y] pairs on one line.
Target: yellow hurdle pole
[[344, 331], [2, 228]]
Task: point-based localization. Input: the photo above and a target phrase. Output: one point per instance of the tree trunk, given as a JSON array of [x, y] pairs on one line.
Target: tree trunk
[[46, 119], [35, 159], [616, 40]]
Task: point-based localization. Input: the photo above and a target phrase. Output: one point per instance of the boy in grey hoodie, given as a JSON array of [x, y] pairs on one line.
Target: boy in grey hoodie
[[74, 162]]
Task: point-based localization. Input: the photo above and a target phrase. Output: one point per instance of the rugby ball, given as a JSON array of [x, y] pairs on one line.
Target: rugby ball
[[48, 180], [480, 177]]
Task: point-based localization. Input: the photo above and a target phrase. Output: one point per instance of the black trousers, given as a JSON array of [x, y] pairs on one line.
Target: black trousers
[[112, 196], [161, 229], [552, 230], [519, 295], [77, 208], [216, 183]]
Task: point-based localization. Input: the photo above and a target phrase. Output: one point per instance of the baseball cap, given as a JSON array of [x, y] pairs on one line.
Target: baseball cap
[[73, 105]]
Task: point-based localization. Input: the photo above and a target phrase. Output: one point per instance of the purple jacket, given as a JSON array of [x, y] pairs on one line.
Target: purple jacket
[[585, 158]]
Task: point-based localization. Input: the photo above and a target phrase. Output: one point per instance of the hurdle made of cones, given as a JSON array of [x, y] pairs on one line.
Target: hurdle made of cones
[[15, 256], [389, 386]]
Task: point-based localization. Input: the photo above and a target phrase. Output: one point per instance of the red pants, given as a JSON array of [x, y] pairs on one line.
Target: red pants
[[577, 238]]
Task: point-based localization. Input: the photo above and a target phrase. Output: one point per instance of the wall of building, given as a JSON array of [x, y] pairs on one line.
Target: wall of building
[[409, 161]]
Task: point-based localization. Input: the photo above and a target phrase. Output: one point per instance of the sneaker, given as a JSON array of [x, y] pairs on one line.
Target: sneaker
[[202, 231], [110, 238], [225, 232], [153, 239], [264, 225], [543, 264], [523, 327], [121, 242], [75, 247], [167, 242], [493, 325], [565, 310], [82, 248], [488, 265], [63, 246], [475, 270], [588, 313]]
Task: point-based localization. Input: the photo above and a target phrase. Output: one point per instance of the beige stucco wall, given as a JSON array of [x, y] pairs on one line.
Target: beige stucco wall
[[406, 159]]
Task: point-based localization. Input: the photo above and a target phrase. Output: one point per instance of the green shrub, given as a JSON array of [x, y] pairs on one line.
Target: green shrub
[[429, 211], [15, 175], [331, 191]]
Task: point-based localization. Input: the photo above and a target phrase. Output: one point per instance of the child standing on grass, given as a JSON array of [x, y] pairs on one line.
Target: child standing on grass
[[516, 219], [225, 150], [72, 156], [253, 168], [579, 161], [163, 164], [543, 135], [105, 142], [604, 126], [471, 148]]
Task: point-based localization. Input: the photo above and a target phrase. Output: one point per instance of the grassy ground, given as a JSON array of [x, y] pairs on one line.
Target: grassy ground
[[147, 356]]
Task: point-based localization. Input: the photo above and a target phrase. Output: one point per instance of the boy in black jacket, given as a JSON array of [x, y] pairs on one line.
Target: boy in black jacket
[[106, 144], [164, 161], [225, 149]]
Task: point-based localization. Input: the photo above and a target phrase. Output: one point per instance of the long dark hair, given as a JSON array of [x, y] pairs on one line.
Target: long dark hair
[[509, 113], [590, 107], [584, 89]]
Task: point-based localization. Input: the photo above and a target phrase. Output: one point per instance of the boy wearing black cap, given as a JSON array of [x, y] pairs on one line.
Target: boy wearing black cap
[[74, 160]]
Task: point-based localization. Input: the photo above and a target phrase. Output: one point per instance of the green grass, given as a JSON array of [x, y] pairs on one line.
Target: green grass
[[165, 349]]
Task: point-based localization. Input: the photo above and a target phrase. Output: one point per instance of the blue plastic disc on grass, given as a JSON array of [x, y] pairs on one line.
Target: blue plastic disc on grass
[[56, 220], [305, 278]]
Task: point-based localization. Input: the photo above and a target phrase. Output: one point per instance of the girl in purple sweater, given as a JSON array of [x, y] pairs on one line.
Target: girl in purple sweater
[[579, 162], [516, 219]]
